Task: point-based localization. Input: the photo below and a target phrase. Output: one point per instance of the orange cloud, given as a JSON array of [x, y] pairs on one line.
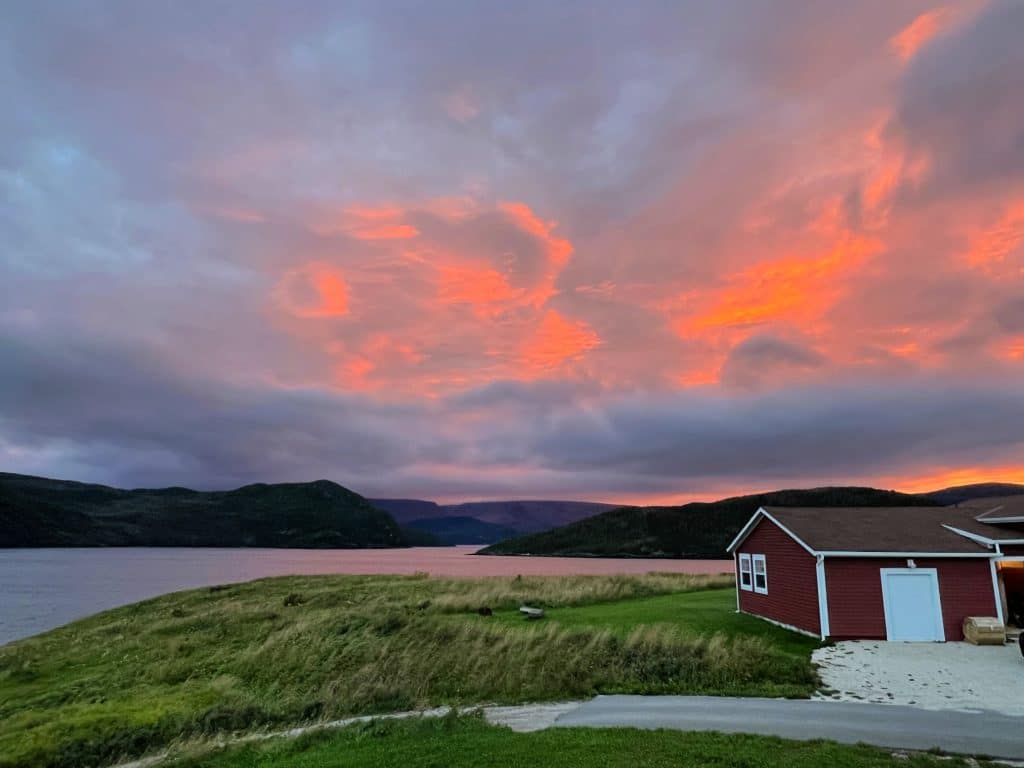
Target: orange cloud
[[315, 290], [919, 32], [952, 476], [793, 290], [558, 249], [365, 223], [990, 249], [482, 287], [557, 340]]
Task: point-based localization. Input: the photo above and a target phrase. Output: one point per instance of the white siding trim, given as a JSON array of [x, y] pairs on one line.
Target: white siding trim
[[819, 568], [995, 591], [901, 555], [736, 570]]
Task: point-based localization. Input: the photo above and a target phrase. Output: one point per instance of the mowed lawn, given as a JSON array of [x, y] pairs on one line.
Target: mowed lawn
[[286, 651], [468, 742], [705, 612]]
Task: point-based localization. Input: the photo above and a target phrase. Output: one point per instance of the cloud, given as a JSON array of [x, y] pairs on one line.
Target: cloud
[[541, 250], [765, 359]]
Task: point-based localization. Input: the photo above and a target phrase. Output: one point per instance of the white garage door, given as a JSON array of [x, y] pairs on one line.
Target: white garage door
[[913, 611]]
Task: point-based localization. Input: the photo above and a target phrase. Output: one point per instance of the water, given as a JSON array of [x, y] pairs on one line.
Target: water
[[41, 589]]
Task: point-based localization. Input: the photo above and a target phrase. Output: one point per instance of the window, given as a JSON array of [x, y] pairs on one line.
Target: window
[[760, 575], [746, 580]]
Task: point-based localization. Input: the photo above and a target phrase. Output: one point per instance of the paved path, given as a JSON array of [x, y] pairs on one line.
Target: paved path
[[978, 733], [955, 676]]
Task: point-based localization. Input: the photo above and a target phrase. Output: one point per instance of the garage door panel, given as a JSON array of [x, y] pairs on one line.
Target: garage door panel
[[913, 610]]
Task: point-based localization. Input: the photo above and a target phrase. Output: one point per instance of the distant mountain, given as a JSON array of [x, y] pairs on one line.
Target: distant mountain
[[529, 516], [407, 510], [697, 530], [959, 493], [462, 530], [485, 522], [39, 512]]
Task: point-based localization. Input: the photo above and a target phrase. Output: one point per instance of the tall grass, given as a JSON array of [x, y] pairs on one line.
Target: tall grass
[[299, 649]]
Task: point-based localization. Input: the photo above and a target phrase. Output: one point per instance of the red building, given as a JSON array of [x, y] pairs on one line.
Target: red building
[[896, 573]]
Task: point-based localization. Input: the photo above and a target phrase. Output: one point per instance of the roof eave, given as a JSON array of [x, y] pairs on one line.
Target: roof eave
[[764, 514]]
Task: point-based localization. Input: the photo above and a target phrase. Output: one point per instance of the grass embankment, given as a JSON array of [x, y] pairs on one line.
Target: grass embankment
[[468, 741], [300, 649]]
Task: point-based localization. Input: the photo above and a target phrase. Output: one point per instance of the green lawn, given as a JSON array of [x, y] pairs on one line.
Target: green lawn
[[701, 613], [277, 652], [467, 741]]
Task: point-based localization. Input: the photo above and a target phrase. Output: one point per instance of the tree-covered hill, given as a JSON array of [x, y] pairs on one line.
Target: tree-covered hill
[[39, 512], [697, 530]]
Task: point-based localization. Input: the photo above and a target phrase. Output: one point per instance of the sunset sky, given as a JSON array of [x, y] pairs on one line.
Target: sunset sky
[[632, 252]]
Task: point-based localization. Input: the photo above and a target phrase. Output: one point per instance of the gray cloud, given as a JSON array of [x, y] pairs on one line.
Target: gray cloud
[[160, 166], [962, 104]]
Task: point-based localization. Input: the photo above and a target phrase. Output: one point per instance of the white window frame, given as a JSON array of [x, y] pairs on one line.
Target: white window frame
[[755, 559], [745, 560]]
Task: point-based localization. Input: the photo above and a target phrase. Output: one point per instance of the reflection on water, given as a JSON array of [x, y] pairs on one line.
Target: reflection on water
[[44, 588]]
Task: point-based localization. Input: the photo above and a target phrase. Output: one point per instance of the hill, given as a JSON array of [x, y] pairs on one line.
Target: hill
[[959, 493], [40, 512], [462, 530], [696, 530], [406, 510], [484, 522], [528, 516]]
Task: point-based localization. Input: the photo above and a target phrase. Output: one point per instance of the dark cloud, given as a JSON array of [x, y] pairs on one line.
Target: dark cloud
[[765, 358]]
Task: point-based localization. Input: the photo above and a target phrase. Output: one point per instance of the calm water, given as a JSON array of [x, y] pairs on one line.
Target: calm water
[[44, 588]]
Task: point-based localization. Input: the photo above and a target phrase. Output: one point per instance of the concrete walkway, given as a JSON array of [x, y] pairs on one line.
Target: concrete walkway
[[883, 725], [956, 676]]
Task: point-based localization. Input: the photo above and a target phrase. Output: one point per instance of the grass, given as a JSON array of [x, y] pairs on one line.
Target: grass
[[302, 649], [461, 742]]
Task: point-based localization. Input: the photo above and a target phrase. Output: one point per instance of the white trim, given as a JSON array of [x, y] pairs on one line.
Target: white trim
[[790, 627], [754, 560], [934, 573], [1011, 519], [982, 539], [761, 514], [745, 530], [975, 537], [736, 567], [745, 558], [902, 555], [819, 568], [995, 590]]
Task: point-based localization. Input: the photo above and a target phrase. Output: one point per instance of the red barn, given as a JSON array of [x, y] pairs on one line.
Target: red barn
[[883, 573]]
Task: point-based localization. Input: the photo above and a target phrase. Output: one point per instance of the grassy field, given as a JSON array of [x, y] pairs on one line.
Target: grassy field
[[301, 649], [467, 741]]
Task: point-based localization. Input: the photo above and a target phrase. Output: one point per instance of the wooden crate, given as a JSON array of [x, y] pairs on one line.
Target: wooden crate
[[984, 630]]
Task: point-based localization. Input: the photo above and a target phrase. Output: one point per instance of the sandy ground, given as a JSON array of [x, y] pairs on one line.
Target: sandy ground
[[956, 676]]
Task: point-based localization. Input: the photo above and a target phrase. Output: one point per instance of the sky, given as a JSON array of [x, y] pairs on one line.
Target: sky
[[640, 253]]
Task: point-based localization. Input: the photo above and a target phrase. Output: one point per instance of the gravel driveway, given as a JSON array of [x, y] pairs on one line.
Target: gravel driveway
[[928, 675]]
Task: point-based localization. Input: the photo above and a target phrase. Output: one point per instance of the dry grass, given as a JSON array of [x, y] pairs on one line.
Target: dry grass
[[299, 649]]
